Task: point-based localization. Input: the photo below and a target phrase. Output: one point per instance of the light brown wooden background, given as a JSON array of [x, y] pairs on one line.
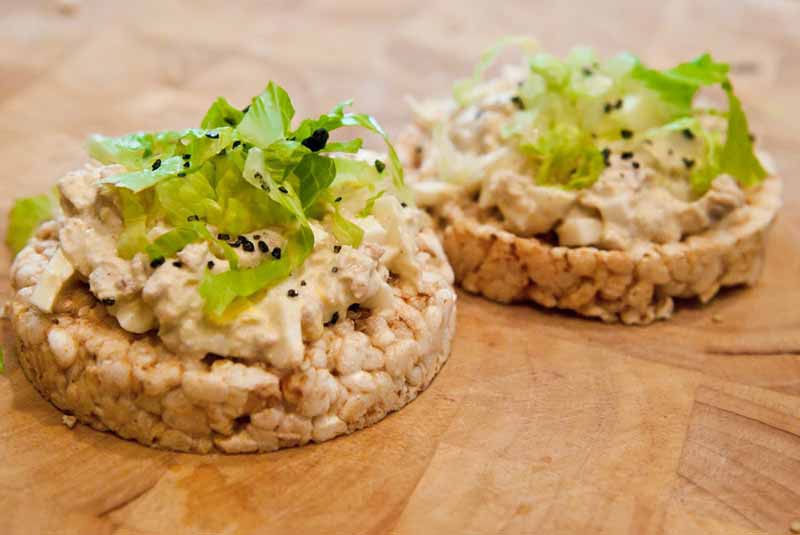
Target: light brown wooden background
[[540, 422]]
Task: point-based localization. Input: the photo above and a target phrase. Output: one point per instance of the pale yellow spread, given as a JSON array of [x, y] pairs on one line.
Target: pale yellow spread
[[278, 321]]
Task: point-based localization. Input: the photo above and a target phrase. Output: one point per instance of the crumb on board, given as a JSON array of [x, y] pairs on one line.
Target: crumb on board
[[68, 7], [794, 527], [69, 420], [716, 318]]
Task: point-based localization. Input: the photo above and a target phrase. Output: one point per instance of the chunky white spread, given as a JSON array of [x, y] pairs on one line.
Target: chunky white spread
[[276, 322]]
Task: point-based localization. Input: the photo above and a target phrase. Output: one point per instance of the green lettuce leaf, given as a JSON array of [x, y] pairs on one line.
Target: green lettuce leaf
[[137, 181], [328, 121], [199, 145], [283, 193], [346, 232], [316, 173], [567, 158], [25, 217], [220, 290], [133, 238], [352, 146], [220, 114], [268, 118], [369, 206], [678, 85], [396, 168], [738, 158]]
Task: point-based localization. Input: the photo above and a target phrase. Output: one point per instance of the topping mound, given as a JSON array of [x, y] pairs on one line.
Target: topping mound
[[243, 238], [584, 151]]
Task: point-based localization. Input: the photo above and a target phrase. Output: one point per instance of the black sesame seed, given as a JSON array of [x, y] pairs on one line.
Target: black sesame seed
[[636, 165], [317, 140], [687, 133], [193, 218], [688, 162], [212, 135], [292, 293], [283, 190], [380, 166], [224, 237], [186, 165], [109, 301], [236, 144], [181, 174], [618, 104], [627, 155], [210, 264], [404, 204], [276, 253], [607, 107], [587, 71], [606, 152], [337, 248], [156, 164], [355, 307], [230, 121], [263, 247], [302, 283], [293, 138], [418, 149], [256, 236], [157, 262], [248, 246], [258, 175], [334, 269], [516, 101], [337, 199], [626, 134], [187, 156], [334, 318], [246, 109], [177, 264]]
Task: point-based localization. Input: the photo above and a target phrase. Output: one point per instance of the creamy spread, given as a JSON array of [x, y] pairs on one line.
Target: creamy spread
[[460, 153], [278, 321]]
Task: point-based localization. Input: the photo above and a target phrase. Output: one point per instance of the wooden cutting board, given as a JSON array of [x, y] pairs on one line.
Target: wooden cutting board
[[541, 422]]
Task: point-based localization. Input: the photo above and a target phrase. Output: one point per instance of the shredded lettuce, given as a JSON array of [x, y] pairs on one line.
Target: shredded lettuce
[[316, 174], [25, 217], [242, 170], [738, 158], [369, 206], [268, 118], [220, 114], [137, 181], [567, 157], [134, 216], [678, 85], [346, 231]]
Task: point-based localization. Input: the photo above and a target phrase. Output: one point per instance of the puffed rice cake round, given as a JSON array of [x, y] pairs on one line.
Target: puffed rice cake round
[[610, 285]]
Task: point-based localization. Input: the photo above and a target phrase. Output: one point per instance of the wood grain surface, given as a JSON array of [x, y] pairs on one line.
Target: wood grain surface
[[541, 422]]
